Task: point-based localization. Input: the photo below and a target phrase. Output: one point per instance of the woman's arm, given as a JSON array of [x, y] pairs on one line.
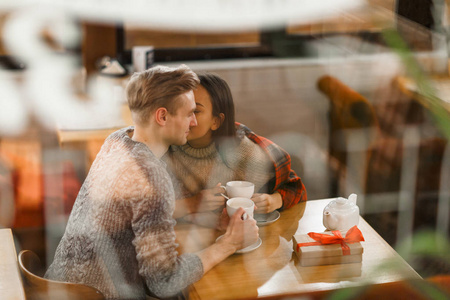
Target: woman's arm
[[286, 182]]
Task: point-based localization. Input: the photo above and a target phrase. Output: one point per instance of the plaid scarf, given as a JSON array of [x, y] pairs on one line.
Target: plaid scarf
[[286, 182]]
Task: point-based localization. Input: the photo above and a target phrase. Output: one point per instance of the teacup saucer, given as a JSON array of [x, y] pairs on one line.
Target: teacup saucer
[[265, 219], [248, 248]]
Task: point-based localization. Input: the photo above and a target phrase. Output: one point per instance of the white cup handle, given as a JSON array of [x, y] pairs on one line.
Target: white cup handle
[[244, 216]]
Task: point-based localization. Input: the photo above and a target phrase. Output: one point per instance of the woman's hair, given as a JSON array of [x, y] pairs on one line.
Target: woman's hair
[[158, 87], [222, 102]]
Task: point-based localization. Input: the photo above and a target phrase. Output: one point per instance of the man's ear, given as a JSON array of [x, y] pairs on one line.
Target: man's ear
[[218, 121], [161, 116]]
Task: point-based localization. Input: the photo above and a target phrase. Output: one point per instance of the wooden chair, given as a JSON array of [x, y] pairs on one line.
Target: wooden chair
[[39, 288], [352, 121], [368, 137]]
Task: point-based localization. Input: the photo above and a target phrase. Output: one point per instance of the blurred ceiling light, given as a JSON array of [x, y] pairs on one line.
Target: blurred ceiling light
[[13, 114], [200, 15]]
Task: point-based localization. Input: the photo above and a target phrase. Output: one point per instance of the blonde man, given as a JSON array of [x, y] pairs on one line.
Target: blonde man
[[120, 236]]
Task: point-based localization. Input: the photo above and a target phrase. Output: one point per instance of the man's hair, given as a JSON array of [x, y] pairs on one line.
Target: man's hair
[[158, 87]]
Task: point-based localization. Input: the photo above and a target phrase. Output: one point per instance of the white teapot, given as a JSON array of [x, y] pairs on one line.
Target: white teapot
[[341, 214]]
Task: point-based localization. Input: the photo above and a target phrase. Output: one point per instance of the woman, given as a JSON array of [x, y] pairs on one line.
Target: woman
[[220, 150]]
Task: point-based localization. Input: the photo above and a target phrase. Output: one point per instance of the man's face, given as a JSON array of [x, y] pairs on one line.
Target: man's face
[[178, 125]]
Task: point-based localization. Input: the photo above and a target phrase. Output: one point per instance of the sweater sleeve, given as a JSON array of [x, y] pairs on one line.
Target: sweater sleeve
[[251, 163], [285, 181], [165, 272]]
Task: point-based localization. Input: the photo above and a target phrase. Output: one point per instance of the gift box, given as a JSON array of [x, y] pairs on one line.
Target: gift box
[[327, 248]]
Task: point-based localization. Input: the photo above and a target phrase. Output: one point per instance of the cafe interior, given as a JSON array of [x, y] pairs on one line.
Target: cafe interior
[[357, 92]]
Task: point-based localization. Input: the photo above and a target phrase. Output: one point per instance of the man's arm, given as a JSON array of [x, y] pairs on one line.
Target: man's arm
[[151, 208], [240, 234]]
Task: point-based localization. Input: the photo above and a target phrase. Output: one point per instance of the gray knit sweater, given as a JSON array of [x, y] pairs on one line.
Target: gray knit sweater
[[195, 169], [120, 235]]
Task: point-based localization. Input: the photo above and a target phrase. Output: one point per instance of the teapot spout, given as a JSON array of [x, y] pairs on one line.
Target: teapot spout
[[330, 221]]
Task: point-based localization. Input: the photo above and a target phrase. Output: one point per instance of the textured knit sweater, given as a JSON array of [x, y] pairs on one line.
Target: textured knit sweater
[[120, 235], [195, 169]]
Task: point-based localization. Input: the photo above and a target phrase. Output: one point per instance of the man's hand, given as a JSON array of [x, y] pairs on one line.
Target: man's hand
[[240, 233], [224, 220]]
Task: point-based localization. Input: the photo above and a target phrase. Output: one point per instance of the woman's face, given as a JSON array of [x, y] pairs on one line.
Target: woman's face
[[201, 135]]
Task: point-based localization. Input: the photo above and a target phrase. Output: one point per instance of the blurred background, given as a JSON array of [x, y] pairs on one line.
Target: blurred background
[[358, 92]]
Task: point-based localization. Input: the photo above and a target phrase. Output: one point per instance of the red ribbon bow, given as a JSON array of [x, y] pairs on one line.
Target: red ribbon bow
[[353, 235]]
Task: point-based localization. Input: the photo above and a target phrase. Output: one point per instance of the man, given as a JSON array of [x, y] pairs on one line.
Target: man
[[120, 236]]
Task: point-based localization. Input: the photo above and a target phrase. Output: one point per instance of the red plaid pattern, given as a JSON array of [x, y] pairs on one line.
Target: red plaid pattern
[[286, 181]]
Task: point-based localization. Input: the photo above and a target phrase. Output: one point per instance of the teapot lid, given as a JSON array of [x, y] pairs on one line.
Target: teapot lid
[[341, 204]]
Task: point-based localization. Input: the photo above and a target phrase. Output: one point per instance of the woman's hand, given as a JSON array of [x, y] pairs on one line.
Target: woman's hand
[[266, 203], [210, 199], [205, 200]]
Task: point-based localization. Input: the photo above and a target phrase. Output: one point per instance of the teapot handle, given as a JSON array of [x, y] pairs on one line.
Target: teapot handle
[[353, 198]]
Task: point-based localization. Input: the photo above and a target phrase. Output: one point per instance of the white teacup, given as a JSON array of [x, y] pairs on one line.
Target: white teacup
[[244, 189], [234, 203]]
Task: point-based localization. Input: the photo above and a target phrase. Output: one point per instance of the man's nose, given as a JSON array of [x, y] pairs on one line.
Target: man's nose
[[193, 121]]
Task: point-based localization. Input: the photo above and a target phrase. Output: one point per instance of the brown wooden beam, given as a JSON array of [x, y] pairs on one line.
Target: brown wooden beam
[[98, 40]]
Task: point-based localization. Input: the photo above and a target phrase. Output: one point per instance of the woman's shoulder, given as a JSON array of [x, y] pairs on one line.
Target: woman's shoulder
[[246, 144], [246, 151], [246, 137]]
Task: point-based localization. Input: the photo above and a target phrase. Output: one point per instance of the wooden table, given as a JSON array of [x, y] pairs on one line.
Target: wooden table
[[90, 140], [10, 281], [73, 137], [273, 268]]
